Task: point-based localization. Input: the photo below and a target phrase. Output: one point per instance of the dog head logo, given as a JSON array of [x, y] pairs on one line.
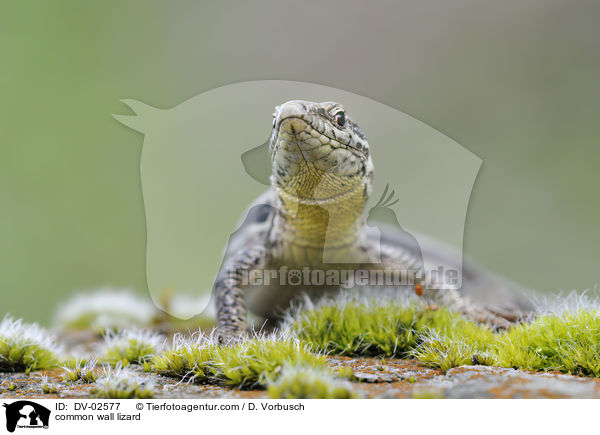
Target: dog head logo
[[196, 186], [26, 414]]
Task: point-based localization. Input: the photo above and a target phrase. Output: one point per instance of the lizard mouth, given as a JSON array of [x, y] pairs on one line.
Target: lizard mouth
[[310, 165], [297, 134]]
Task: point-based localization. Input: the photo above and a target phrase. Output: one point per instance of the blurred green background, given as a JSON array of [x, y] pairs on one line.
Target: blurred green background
[[517, 83]]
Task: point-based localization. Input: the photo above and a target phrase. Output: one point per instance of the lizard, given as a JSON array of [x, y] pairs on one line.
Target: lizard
[[313, 217]]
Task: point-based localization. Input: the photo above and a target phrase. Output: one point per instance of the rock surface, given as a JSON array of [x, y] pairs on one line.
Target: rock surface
[[375, 378]]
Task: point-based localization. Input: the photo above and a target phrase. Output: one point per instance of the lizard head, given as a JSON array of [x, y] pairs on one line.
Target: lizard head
[[318, 153]]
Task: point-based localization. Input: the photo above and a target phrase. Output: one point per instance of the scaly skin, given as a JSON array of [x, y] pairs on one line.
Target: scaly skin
[[321, 179]]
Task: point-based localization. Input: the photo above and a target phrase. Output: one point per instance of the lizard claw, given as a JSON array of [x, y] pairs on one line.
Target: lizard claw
[[496, 318], [231, 336]]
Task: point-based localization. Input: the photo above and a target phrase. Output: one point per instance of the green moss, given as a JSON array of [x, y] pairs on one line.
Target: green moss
[[309, 383], [356, 330], [345, 372], [122, 383], [247, 364], [130, 346], [569, 342], [105, 310], [80, 370], [186, 360], [26, 347], [371, 328], [109, 309], [48, 388], [448, 351], [404, 329]]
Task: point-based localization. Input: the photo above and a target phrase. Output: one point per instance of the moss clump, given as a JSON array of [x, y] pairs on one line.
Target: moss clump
[[131, 346], [111, 309], [569, 343], [48, 388], [246, 364], [80, 370], [448, 351], [121, 383], [309, 383], [187, 359], [358, 326], [355, 329], [104, 310], [355, 325], [26, 347]]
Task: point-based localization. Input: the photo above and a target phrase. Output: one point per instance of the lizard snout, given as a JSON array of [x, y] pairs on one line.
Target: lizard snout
[[290, 109]]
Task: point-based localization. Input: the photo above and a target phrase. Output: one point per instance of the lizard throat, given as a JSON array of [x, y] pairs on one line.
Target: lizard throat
[[313, 225]]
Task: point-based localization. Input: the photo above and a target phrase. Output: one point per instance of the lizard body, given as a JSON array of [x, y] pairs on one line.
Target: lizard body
[[313, 217]]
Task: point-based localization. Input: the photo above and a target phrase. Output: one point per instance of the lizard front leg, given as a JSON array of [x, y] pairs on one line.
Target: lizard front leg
[[398, 259], [229, 289]]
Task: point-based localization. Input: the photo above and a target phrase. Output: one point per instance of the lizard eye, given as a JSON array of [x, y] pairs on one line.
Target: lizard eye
[[340, 119]]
